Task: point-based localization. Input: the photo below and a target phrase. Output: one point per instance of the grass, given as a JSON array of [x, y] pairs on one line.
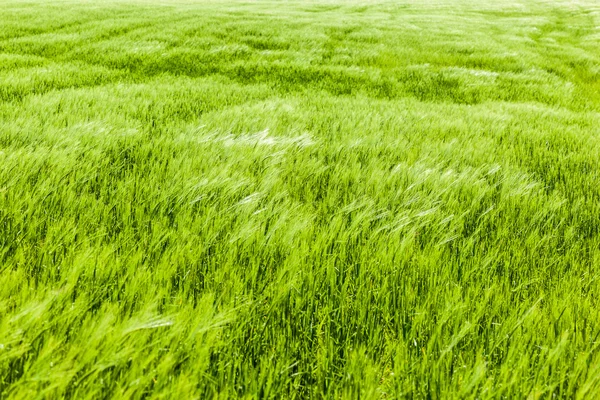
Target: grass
[[332, 199]]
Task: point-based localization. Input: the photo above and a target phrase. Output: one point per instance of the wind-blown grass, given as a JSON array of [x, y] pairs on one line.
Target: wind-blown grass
[[299, 199]]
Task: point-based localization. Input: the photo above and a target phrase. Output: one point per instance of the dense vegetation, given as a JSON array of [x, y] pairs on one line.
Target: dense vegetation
[[324, 199]]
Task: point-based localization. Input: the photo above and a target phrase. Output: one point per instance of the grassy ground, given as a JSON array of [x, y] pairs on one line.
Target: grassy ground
[[299, 199]]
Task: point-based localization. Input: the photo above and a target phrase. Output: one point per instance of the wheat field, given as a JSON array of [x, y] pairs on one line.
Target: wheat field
[[299, 199]]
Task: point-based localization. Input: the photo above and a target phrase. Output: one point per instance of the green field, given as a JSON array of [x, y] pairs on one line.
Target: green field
[[300, 199]]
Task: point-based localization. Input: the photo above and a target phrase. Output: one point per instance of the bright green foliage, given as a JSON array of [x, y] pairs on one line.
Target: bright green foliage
[[299, 199]]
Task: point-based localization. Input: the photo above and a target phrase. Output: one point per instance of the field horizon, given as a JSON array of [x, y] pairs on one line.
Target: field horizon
[[286, 199]]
